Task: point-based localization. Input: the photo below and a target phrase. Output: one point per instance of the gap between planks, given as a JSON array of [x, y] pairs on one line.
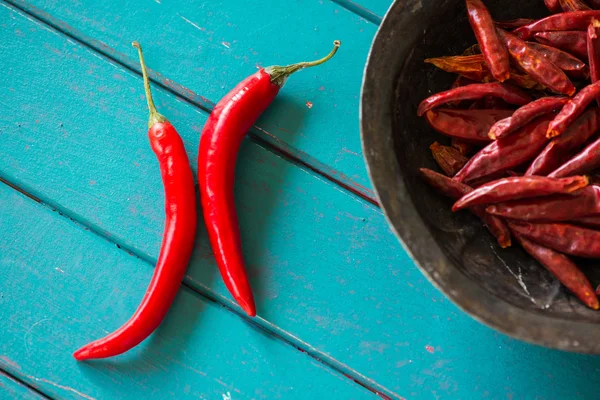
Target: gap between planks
[[18, 381], [274, 145], [256, 134], [205, 292], [359, 10]]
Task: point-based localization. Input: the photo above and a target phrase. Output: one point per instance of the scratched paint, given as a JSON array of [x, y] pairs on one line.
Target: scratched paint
[[378, 279], [211, 29], [198, 351]]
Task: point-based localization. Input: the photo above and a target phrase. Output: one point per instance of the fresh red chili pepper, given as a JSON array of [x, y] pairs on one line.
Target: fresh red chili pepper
[[508, 152], [573, 42], [555, 208], [448, 158], [219, 144], [494, 52], [566, 238], [514, 23], [573, 5], [536, 65], [567, 21], [510, 94], [455, 190], [178, 239], [464, 148], [563, 269], [470, 125], [586, 161], [561, 148], [593, 47], [526, 114], [553, 6], [571, 65], [573, 109], [519, 187]]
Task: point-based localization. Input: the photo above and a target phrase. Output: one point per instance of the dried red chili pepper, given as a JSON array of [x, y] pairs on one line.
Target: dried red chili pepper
[[473, 67], [563, 269], [553, 6], [448, 158], [469, 125], [567, 21], [573, 5], [178, 239], [463, 147], [453, 189], [526, 114], [219, 144], [566, 238], [536, 65], [519, 187], [586, 161], [573, 109], [593, 48], [514, 23], [573, 42], [571, 65], [561, 147], [555, 208], [508, 93], [508, 152], [592, 221], [494, 52]]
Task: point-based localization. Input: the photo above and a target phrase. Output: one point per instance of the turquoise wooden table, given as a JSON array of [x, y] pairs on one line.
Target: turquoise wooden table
[[343, 312]]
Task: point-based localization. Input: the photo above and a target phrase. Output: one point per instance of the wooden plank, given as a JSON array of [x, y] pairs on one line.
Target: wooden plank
[[63, 286], [207, 47], [328, 275], [12, 389]]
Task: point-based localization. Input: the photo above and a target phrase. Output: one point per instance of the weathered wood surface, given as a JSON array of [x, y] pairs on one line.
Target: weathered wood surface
[[329, 277]]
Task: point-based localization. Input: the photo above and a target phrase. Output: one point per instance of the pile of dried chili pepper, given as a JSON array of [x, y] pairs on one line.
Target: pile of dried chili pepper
[[523, 121]]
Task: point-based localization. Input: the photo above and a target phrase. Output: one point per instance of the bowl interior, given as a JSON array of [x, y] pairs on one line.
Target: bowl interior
[[508, 274]]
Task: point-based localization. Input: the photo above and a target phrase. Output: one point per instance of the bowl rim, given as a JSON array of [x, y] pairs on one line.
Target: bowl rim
[[402, 216]]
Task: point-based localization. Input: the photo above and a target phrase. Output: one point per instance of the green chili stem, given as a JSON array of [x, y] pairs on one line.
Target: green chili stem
[[155, 116], [279, 74]]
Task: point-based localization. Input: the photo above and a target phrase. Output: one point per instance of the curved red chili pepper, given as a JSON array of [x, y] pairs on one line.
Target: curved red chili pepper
[[525, 115], [469, 125], [519, 187], [496, 56], [536, 65], [219, 144], [566, 21], [178, 239], [593, 47], [573, 66], [573, 42], [510, 94], [573, 109]]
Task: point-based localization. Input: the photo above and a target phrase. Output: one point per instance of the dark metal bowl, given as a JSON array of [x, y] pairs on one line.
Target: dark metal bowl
[[504, 289]]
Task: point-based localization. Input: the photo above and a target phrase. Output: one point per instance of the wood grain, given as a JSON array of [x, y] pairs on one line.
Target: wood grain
[[12, 389], [203, 49], [62, 293], [329, 276]]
